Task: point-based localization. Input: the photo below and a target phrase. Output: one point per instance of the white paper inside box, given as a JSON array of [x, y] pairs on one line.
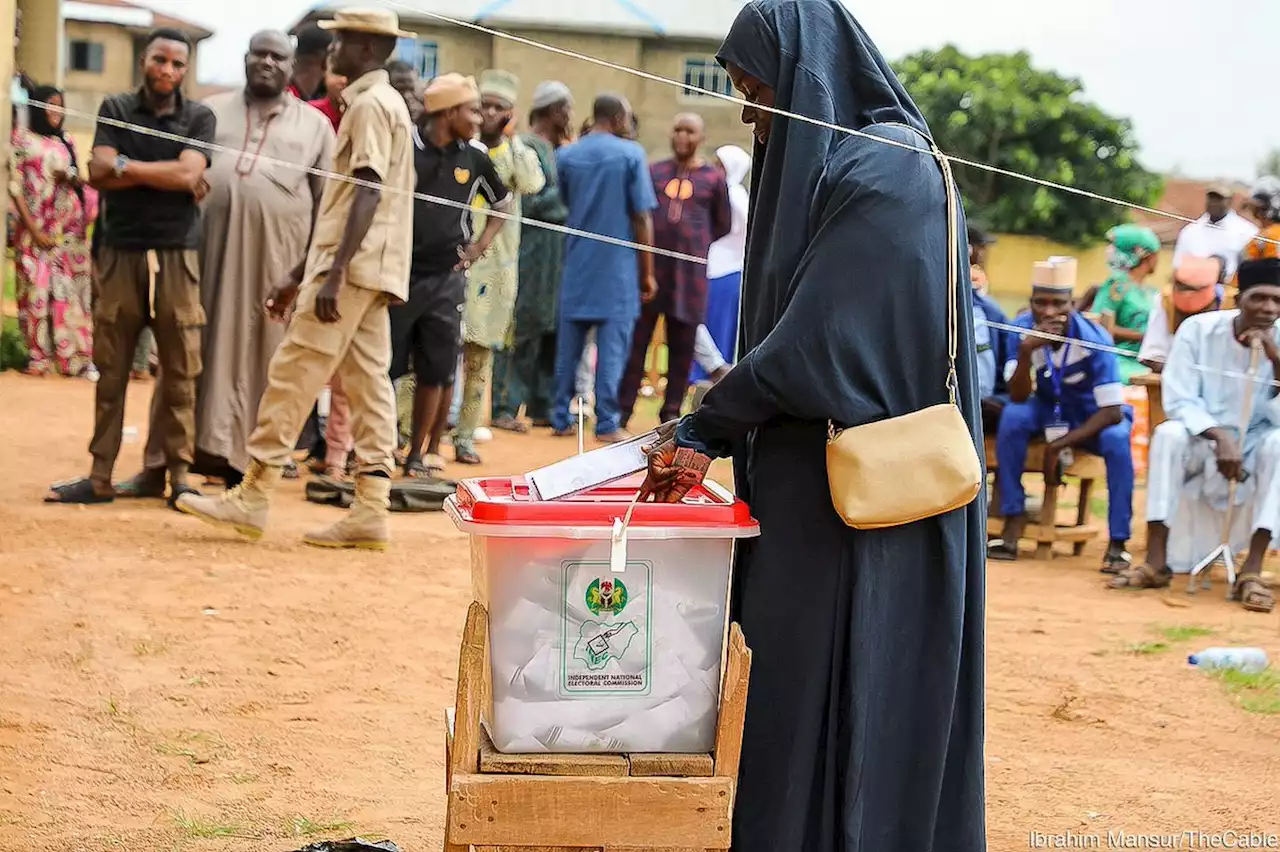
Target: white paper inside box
[[584, 659]]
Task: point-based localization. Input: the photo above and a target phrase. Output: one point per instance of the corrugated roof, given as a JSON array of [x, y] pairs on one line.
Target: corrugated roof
[[700, 19], [157, 19]]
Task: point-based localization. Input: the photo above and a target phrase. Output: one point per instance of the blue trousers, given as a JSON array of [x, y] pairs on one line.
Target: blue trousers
[[1023, 422], [613, 346]]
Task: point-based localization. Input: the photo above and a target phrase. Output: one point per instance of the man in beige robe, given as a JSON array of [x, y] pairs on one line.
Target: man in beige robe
[[257, 224]]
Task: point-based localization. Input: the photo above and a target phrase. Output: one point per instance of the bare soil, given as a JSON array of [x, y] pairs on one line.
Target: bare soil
[[164, 686]]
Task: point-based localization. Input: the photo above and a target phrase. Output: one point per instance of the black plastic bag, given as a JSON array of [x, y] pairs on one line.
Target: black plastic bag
[[355, 844]]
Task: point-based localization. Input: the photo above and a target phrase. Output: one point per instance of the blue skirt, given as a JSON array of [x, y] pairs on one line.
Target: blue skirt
[[723, 294]]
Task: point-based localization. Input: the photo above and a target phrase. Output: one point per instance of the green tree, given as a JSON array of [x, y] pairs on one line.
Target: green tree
[[1270, 164], [998, 109]]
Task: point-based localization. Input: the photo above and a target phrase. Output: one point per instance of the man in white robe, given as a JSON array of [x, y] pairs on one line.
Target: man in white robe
[[1199, 451]]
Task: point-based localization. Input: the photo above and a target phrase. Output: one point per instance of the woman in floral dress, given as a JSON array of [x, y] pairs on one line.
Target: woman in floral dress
[[51, 252]]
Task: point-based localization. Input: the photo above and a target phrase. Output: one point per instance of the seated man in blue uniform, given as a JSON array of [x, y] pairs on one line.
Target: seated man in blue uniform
[[1069, 396]]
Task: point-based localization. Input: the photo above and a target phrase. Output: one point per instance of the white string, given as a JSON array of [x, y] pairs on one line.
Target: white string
[[657, 78], [1115, 350], [330, 175]]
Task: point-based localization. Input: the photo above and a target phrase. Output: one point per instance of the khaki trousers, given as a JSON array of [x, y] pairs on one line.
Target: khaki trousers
[[357, 348], [160, 290]]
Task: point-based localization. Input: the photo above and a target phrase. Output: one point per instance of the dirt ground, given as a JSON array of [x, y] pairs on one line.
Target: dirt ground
[[163, 686]]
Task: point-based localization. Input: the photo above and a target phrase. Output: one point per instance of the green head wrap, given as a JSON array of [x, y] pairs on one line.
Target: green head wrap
[[1130, 244]]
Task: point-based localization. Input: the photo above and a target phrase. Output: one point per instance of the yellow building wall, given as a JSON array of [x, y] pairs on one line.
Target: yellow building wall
[[1009, 264], [38, 53]]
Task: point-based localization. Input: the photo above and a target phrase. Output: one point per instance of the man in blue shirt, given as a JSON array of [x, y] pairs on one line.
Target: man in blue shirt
[[1067, 395], [996, 347], [604, 180]]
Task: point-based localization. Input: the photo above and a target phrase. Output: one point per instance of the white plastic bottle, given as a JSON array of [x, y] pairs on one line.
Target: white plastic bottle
[[1246, 660]]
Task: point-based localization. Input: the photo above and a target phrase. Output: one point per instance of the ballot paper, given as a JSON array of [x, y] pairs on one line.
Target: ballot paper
[[586, 659], [589, 470]]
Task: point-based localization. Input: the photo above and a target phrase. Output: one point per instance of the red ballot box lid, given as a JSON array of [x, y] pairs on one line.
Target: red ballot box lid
[[489, 504]]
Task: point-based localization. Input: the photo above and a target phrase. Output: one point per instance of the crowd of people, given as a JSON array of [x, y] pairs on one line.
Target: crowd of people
[[264, 284], [191, 238], [1063, 384]]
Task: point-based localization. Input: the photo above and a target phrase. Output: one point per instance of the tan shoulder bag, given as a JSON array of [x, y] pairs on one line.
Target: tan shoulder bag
[[905, 469]]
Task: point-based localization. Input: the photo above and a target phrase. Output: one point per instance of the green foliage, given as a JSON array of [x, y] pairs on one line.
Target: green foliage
[[1000, 110], [13, 352]]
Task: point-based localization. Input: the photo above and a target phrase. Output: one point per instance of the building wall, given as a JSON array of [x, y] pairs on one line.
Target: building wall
[[1010, 259], [660, 103], [656, 104], [39, 52]]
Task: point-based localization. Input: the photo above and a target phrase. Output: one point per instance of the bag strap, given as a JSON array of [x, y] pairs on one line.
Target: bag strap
[[953, 272]]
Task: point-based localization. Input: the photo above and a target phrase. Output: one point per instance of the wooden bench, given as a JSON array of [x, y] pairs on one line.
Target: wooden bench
[[587, 802], [1155, 400], [1044, 529]]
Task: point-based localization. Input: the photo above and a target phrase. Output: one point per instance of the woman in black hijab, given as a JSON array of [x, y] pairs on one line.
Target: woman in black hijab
[[864, 727]]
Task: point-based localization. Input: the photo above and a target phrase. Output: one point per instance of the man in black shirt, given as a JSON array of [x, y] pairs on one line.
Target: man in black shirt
[[427, 328], [148, 266]]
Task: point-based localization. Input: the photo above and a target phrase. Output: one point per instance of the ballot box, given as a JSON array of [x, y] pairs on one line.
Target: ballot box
[[603, 637]]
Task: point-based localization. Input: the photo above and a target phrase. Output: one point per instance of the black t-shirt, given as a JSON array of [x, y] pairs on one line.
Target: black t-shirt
[[142, 218], [458, 172]]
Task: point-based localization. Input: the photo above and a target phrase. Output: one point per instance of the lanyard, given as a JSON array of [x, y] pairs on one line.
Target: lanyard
[[1056, 375]]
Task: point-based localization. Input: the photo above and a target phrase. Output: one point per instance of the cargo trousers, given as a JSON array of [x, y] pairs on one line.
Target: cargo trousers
[[157, 289], [357, 348]]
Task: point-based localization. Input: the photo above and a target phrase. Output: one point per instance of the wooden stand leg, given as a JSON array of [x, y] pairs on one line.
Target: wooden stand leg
[[1048, 523], [1082, 512], [462, 750]]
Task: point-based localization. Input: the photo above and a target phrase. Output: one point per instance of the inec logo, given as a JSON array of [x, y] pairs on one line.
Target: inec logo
[[606, 596]]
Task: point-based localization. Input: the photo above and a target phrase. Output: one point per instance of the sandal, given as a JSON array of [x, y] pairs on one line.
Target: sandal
[[1002, 551], [415, 469], [510, 424], [1116, 562], [1254, 593], [144, 485], [466, 456], [78, 492], [1142, 577]]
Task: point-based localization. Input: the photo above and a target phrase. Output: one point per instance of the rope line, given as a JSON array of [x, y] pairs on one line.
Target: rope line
[[1050, 337], [668, 81], [331, 175]]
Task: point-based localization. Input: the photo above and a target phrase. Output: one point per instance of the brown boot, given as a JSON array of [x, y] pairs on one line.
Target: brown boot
[[243, 508], [365, 526]]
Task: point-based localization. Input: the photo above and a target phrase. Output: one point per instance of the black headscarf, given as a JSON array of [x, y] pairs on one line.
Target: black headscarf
[[38, 121], [844, 292], [821, 64]]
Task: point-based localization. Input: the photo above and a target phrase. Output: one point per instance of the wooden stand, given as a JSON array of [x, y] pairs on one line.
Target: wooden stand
[[1155, 400], [1085, 466], [587, 802]]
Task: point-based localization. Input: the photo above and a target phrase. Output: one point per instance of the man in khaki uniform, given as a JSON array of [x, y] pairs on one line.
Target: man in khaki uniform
[[358, 263]]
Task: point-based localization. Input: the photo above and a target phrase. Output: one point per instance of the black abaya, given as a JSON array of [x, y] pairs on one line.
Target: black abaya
[[864, 726]]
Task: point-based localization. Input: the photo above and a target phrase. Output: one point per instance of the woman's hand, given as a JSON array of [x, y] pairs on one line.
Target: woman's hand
[[673, 471], [43, 241]]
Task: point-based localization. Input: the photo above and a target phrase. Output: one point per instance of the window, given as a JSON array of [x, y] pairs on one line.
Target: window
[[85, 56], [706, 73], [422, 55]]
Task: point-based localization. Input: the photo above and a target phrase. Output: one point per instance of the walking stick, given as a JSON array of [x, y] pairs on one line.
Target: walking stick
[[1223, 551]]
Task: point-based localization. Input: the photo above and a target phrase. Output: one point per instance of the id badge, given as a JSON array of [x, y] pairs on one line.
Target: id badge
[[1055, 431]]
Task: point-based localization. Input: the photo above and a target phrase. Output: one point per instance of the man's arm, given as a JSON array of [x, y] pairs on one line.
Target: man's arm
[[527, 177], [363, 208], [721, 210], [1019, 380], [181, 175], [1155, 343], [501, 199], [642, 203]]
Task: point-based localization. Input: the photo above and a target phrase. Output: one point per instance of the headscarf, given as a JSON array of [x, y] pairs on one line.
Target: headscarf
[[1130, 245], [736, 162], [38, 121], [821, 64], [847, 243]]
